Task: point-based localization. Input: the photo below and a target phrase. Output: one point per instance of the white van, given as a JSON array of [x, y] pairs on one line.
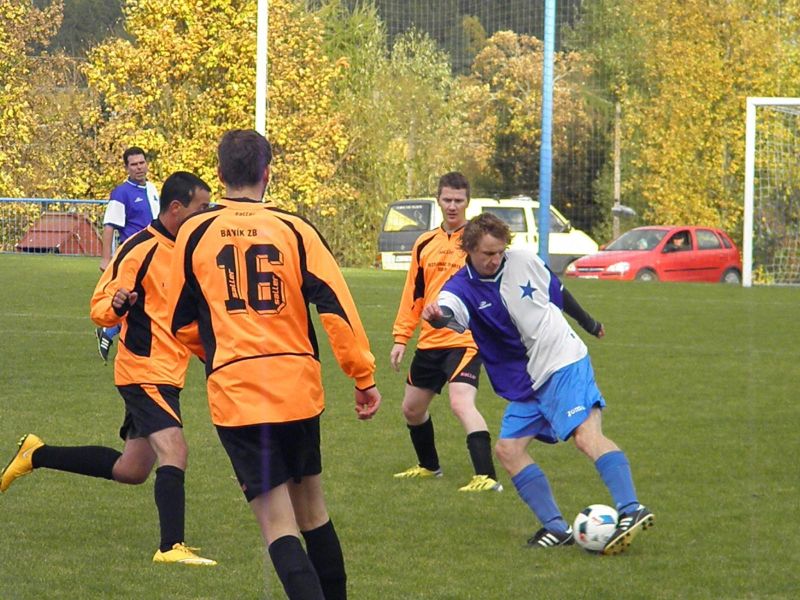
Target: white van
[[405, 220]]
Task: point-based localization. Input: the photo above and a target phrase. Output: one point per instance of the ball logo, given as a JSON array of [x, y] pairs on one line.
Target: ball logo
[[604, 519]]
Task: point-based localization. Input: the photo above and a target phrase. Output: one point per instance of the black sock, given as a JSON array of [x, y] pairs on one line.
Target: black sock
[[294, 569], [94, 461], [171, 504], [325, 553], [422, 438], [479, 444]]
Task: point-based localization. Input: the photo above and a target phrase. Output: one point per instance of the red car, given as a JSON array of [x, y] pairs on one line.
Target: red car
[[664, 254]]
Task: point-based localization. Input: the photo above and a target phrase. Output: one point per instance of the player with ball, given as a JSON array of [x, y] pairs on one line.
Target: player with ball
[[513, 305]]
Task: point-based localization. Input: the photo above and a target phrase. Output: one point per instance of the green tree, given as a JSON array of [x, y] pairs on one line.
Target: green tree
[[397, 105], [504, 112], [85, 24], [356, 38]]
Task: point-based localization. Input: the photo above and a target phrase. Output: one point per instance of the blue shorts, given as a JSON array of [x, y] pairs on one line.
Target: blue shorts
[[557, 408]]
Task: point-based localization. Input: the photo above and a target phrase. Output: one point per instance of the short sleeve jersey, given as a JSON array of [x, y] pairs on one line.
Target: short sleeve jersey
[[131, 208], [246, 272], [516, 319], [435, 257], [148, 353]]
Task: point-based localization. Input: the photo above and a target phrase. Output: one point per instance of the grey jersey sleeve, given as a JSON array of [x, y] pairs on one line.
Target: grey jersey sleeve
[[455, 313]]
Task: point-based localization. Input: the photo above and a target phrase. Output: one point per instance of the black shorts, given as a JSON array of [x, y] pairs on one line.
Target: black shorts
[[431, 369], [149, 408], [268, 455]]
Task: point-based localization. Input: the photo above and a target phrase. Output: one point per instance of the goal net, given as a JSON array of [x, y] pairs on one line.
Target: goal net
[[771, 236]]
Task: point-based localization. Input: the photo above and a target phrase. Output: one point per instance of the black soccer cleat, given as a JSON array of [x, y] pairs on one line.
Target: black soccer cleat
[[548, 539], [103, 343], [629, 524]]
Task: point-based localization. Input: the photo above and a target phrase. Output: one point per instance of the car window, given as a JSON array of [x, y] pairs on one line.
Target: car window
[[638, 239], [514, 217], [408, 217], [707, 240], [557, 223], [680, 242], [726, 242]]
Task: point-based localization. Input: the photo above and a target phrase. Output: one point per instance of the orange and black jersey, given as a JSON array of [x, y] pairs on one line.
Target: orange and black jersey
[[246, 273], [435, 257], [148, 353]]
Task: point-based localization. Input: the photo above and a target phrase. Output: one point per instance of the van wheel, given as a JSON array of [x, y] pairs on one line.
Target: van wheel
[[646, 275], [731, 276]]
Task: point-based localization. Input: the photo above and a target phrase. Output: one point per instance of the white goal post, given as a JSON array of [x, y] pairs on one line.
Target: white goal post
[[771, 234]]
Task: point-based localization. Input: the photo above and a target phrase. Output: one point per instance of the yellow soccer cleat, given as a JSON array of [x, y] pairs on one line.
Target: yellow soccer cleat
[[628, 526], [21, 464], [418, 472], [482, 483], [182, 555]]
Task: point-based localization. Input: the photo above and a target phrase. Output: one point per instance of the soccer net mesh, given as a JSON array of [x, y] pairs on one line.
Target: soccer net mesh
[[772, 192]]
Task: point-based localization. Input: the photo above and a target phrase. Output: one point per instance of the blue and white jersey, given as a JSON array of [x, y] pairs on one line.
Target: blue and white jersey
[[131, 208], [517, 321]]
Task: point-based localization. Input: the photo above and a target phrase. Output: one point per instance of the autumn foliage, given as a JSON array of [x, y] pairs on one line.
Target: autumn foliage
[[359, 118]]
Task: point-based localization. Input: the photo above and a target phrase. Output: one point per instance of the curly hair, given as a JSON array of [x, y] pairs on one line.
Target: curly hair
[[484, 223]]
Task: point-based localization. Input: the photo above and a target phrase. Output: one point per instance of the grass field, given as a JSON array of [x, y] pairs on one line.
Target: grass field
[[701, 383]]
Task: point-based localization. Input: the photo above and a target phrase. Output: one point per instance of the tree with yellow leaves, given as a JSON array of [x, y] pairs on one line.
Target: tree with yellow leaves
[[187, 74], [682, 71], [22, 26]]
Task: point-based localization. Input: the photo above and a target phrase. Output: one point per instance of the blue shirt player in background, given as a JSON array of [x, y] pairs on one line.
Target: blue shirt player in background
[[131, 207], [513, 305]]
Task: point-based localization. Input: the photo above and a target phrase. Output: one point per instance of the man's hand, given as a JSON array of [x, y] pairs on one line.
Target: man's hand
[[601, 332], [396, 355], [440, 317], [367, 402], [123, 300], [432, 313]]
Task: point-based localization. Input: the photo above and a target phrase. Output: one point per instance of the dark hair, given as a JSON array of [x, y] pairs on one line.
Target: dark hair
[[132, 151], [243, 155], [484, 224], [180, 186], [454, 180]]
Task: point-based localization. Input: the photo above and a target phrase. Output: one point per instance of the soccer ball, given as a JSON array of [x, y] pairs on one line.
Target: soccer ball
[[594, 525]]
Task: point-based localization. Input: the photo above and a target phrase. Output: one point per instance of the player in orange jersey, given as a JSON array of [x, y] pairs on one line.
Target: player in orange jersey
[[245, 272], [442, 355], [149, 372]]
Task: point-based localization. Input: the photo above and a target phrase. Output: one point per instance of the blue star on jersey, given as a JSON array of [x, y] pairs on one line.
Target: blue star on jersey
[[527, 290]]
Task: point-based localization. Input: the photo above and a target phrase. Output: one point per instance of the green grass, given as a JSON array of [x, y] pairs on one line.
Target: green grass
[[701, 383]]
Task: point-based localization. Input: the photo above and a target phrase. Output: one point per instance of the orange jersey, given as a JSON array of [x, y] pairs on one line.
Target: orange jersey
[[148, 353], [246, 273], [436, 256]]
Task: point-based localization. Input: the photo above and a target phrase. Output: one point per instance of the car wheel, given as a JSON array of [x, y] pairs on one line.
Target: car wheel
[[731, 276], [646, 275]]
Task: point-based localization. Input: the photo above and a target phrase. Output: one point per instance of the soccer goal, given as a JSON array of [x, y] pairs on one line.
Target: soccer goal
[[771, 236]]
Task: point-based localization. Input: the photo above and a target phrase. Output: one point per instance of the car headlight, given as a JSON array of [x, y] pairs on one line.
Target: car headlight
[[619, 267], [571, 268]]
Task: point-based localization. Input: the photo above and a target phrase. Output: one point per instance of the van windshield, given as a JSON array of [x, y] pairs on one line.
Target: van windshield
[[514, 217], [408, 216]]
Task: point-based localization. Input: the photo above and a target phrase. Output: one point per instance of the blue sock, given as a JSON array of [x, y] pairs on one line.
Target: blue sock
[[112, 331], [616, 474], [534, 489]]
